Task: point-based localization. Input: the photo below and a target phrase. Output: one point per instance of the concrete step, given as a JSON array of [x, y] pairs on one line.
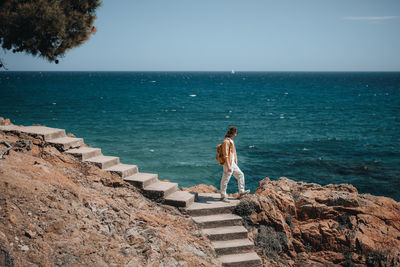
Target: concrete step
[[218, 220], [241, 260], [180, 199], [84, 153], [225, 233], [10, 128], [159, 189], [65, 143], [141, 180], [210, 204], [46, 132], [103, 162], [123, 170], [233, 246]]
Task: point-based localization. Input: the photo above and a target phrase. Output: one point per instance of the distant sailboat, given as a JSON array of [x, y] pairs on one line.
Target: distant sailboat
[[233, 71]]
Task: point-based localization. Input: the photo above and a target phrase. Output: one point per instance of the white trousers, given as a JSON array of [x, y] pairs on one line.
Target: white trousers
[[226, 176]]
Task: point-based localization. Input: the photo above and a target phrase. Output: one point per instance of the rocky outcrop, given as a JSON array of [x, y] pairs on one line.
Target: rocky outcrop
[[306, 224], [5, 121], [56, 210], [201, 188]]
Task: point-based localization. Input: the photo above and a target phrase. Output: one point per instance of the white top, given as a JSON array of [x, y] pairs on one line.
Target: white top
[[233, 154]]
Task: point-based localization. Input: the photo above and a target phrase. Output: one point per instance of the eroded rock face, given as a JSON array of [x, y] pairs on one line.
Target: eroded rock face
[[5, 121], [201, 188], [309, 224], [55, 210]]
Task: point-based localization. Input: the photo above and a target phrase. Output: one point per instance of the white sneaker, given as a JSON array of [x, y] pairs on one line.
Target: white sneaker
[[224, 199], [244, 192]]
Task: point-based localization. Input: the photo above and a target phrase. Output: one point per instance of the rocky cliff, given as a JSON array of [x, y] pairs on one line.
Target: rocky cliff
[[306, 224], [56, 210]]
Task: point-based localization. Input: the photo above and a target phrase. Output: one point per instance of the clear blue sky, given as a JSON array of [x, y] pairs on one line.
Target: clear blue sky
[[220, 35]]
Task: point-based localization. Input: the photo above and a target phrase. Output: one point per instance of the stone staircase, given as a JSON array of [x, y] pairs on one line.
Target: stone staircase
[[148, 183], [214, 217], [224, 229]]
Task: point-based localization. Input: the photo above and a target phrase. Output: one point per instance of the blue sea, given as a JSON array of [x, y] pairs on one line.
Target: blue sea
[[317, 127]]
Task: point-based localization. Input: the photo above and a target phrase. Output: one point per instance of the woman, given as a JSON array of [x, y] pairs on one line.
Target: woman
[[230, 166]]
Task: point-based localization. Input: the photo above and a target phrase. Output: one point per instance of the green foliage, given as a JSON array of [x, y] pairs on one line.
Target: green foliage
[[244, 208], [271, 241], [344, 221], [378, 258], [288, 220], [47, 28], [348, 262]]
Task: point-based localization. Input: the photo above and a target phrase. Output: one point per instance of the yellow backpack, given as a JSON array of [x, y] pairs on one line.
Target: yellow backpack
[[220, 156]]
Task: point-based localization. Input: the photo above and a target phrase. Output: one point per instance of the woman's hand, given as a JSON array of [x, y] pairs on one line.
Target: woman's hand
[[229, 168]]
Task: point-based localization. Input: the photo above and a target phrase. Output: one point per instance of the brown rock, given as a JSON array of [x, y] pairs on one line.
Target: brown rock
[[201, 188], [30, 234], [5, 121], [70, 213], [316, 225]]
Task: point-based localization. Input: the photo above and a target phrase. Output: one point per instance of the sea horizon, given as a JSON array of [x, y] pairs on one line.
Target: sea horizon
[[222, 71]]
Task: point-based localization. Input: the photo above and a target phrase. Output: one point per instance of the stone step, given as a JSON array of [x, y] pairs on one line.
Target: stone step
[[65, 143], [103, 162], [141, 180], [123, 170], [159, 189], [241, 260], [180, 199], [218, 220], [46, 132], [225, 233], [10, 128], [233, 246], [210, 204], [84, 153]]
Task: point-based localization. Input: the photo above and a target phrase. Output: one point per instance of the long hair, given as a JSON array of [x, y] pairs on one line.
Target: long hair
[[231, 131]]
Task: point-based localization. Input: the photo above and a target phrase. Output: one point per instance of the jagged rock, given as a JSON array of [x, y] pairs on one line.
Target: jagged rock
[[22, 145], [5, 121], [324, 225], [201, 188], [55, 210]]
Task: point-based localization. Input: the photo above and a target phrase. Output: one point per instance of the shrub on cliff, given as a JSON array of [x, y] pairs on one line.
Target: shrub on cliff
[[271, 241], [245, 208]]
